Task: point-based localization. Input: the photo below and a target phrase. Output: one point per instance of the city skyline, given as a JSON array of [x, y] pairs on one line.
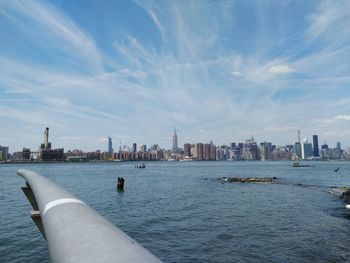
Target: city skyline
[[137, 146], [215, 70]]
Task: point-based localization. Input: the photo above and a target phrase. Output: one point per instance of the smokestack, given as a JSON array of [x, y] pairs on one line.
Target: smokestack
[[46, 138]]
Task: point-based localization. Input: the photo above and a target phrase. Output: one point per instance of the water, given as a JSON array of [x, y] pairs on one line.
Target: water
[[182, 213]]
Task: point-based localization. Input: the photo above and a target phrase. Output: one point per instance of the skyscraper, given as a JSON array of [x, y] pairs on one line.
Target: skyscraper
[[143, 148], [110, 149], [199, 151], [306, 149], [298, 136], [315, 144], [206, 151], [338, 146], [4, 152], [175, 147], [187, 149], [134, 147]]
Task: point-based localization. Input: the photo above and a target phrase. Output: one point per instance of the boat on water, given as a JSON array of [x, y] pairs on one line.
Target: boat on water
[[141, 166], [300, 165]]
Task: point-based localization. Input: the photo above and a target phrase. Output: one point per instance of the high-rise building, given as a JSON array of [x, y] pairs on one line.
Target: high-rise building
[[297, 149], [206, 151], [306, 149], [187, 149], [212, 152], [298, 136], [265, 149], [110, 148], [199, 151], [4, 153], [143, 148], [175, 145], [134, 147], [338, 146], [315, 144]]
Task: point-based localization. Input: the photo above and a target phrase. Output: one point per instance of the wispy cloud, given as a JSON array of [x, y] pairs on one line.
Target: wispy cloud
[[281, 69], [65, 37], [186, 64]]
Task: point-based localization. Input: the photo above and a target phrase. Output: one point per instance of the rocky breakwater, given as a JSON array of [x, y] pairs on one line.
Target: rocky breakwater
[[267, 180]]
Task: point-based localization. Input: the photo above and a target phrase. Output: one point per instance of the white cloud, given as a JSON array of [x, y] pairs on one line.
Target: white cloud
[[281, 69], [342, 117], [236, 73]]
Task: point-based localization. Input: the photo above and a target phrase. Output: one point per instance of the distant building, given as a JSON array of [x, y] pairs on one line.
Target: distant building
[[297, 150], [48, 154], [193, 151], [187, 150], [212, 152], [159, 155], [134, 147], [250, 150], [199, 151], [206, 151], [143, 148], [298, 136], [265, 150], [306, 149], [220, 153], [175, 145], [4, 153], [338, 147], [315, 144], [26, 154], [110, 147]]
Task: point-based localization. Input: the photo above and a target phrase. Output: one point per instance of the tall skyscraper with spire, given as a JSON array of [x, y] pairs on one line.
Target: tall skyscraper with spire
[[175, 145]]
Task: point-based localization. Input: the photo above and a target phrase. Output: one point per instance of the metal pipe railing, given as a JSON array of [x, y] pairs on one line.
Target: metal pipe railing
[[74, 231]]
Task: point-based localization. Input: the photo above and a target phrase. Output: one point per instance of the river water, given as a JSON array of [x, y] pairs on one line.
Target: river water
[[181, 212]]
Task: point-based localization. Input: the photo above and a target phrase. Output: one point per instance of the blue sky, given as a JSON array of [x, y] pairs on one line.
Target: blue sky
[[134, 70]]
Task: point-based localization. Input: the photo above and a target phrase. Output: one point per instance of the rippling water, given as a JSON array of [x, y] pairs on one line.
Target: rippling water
[[182, 213]]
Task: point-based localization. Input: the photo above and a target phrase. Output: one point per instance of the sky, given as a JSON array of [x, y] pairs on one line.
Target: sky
[[135, 70]]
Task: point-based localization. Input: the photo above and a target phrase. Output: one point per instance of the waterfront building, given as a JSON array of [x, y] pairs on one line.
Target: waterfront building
[[306, 149], [212, 152], [194, 151], [298, 136], [4, 153], [250, 150], [235, 153], [297, 150], [26, 154], [175, 145], [199, 151], [143, 148], [315, 144], [187, 150], [265, 150], [206, 151], [281, 153], [220, 154], [134, 147], [159, 155], [48, 154], [110, 147]]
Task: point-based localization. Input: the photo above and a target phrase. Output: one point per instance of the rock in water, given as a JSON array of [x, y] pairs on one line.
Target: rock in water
[[248, 179]]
